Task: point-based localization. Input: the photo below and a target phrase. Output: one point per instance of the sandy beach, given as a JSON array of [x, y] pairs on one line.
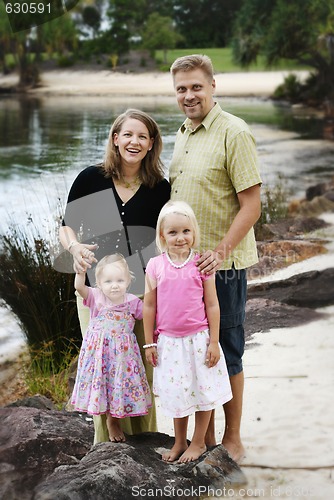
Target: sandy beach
[[112, 83]]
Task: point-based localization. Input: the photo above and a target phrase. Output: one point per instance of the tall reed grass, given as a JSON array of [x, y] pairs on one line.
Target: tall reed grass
[[41, 298]]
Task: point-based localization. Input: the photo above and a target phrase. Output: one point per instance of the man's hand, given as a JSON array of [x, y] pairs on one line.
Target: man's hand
[[209, 262]]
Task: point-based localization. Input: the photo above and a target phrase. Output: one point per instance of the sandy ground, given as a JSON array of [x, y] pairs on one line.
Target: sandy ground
[[104, 82]]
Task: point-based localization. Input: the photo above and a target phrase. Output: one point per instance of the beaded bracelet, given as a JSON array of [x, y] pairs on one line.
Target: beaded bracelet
[[72, 245], [146, 346]]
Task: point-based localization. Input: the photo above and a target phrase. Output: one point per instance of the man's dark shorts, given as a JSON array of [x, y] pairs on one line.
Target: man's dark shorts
[[232, 293]]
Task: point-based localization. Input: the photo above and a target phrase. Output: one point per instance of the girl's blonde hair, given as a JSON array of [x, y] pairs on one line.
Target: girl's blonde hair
[[181, 208], [151, 169], [118, 260]]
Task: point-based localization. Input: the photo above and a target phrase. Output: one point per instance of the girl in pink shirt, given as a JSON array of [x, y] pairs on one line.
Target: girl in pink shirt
[[111, 377], [181, 310]]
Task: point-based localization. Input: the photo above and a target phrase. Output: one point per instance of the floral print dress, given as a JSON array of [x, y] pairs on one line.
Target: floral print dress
[[111, 376]]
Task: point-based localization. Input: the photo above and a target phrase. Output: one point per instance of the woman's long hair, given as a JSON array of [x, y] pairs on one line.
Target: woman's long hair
[[151, 169]]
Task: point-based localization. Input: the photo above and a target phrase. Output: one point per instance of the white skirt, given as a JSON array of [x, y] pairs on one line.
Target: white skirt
[[182, 380]]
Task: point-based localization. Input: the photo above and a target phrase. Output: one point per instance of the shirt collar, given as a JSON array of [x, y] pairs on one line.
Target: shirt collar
[[206, 123]]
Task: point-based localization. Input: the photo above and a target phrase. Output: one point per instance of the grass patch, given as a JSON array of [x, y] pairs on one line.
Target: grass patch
[[46, 377], [223, 62], [274, 206]]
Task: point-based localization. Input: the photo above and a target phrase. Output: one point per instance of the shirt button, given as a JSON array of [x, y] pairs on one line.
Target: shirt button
[[181, 171], [116, 246], [186, 152], [122, 213], [123, 204]]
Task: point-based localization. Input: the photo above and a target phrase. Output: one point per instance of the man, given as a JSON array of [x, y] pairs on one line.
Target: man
[[214, 168]]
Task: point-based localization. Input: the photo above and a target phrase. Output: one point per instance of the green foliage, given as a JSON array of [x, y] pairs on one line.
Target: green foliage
[[41, 298], [290, 89], [205, 23], [92, 17], [65, 61], [302, 30], [159, 33], [274, 205], [44, 376]]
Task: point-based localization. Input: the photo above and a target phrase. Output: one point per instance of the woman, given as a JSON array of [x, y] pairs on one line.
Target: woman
[[113, 207]]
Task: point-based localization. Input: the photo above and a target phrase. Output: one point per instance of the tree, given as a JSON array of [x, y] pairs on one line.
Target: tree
[[301, 30], [125, 18], [205, 23], [92, 18], [159, 34]]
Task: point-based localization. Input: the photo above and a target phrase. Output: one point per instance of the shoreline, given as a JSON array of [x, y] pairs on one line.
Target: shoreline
[[78, 82]]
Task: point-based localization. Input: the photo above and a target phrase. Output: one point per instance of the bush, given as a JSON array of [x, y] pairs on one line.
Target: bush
[[41, 298], [274, 206], [290, 89]]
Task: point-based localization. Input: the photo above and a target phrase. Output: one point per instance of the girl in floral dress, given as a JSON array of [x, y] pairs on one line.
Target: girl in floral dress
[[181, 310], [111, 377]]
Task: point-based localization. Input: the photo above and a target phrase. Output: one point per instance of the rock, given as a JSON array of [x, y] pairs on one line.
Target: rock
[[113, 471], [315, 207], [291, 228], [33, 443], [275, 255], [319, 189], [264, 314], [36, 401], [312, 289], [49, 455]]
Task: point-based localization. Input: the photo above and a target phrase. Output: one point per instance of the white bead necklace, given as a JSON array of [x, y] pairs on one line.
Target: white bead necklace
[[178, 266]]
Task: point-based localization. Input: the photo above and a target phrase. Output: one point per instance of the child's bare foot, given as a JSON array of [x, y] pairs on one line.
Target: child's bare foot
[[116, 435], [193, 452], [235, 450], [174, 453]]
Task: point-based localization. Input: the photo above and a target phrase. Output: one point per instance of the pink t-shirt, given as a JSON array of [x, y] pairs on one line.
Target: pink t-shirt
[[96, 300], [180, 305]]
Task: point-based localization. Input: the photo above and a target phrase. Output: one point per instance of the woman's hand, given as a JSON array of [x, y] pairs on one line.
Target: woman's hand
[[151, 356], [212, 354], [83, 256]]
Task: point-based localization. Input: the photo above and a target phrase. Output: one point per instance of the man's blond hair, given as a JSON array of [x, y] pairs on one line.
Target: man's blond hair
[[191, 62]]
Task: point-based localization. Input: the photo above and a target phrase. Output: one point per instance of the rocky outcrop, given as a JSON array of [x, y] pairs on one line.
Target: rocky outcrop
[[318, 199], [313, 289], [290, 302], [47, 455]]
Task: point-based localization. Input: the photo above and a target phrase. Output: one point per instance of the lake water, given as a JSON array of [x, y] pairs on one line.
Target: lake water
[[45, 142]]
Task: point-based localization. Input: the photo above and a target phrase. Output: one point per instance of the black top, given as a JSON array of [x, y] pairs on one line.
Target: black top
[[98, 215]]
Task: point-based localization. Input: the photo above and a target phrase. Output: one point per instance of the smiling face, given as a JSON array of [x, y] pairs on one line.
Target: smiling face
[[133, 142], [178, 234], [113, 282], [194, 93]]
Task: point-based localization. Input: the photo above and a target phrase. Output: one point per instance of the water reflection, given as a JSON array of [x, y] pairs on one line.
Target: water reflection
[[45, 142]]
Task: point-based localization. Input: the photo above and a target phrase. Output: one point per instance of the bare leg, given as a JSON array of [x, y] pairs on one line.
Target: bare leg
[[116, 435], [180, 445], [210, 437], [233, 411], [197, 446]]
